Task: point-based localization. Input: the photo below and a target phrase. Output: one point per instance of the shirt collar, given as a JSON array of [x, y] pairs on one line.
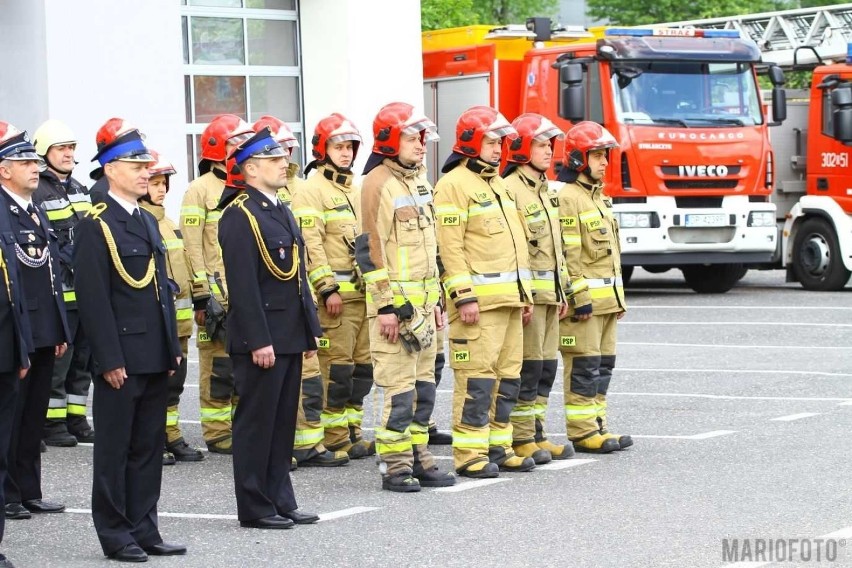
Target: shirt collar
[[23, 203], [128, 206]]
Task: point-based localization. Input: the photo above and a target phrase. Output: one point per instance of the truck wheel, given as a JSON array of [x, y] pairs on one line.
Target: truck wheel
[[656, 268], [817, 263], [626, 274], [712, 278]]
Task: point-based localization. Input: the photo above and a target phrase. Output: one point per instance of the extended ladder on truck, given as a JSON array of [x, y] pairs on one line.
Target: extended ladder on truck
[[828, 29]]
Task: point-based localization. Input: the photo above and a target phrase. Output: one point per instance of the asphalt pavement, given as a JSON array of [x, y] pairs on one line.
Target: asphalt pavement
[[740, 406]]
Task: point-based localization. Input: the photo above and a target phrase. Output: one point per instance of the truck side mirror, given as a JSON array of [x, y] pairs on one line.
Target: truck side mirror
[[779, 105], [841, 100], [776, 76], [572, 100]]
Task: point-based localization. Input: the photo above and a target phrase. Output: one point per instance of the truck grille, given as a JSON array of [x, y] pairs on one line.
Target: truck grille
[[701, 183]]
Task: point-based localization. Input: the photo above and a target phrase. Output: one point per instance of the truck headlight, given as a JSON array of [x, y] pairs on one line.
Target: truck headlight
[[634, 220], [761, 219]]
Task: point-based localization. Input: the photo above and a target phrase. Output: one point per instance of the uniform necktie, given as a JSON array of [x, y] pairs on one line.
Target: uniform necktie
[[33, 215]]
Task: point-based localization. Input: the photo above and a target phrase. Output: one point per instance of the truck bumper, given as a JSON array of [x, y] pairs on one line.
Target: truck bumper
[[737, 232]]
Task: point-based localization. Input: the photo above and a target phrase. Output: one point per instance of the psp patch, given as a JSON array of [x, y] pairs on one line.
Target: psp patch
[[192, 220], [461, 356], [450, 219], [306, 222], [324, 343], [568, 340]]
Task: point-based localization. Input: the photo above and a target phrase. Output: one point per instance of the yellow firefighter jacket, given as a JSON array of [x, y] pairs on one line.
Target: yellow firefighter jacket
[[481, 239], [199, 223], [177, 266], [538, 207], [591, 247], [328, 207], [397, 251]]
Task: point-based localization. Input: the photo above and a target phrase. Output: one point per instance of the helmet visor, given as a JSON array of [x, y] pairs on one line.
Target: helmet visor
[[344, 137], [548, 134], [501, 131], [238, 139], [424, 125]]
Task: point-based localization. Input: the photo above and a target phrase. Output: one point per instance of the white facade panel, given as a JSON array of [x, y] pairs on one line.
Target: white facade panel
[[358, 55]]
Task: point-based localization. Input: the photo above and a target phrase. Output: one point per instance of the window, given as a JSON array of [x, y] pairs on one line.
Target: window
[[240, 57]]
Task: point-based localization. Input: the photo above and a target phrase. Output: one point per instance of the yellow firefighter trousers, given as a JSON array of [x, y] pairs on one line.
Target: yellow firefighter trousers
[[176, 383], [588, 353], [408, 385], [344, 357], [309, 430], [486, 361], [215, 389], [538, 371]]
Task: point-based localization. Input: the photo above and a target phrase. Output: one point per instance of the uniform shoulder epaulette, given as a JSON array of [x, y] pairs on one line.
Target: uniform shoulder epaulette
[[238, 200], [96, 210]]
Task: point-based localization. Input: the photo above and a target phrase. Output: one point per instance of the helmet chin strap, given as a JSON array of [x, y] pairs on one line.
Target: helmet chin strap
[[58, 170], [410, 166], [330, 162]]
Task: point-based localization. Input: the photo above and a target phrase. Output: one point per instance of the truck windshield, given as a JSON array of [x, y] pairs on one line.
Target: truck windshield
[[686, 94]]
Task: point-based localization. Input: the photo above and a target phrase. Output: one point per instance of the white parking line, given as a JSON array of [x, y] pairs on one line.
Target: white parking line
[[847, 403], [323, 516], [464, 486], [729, 307], [729, 397], [791, 417], [736, 371], [563, 464], [702, 436], [733, 323], [729, 346], [346, 513]]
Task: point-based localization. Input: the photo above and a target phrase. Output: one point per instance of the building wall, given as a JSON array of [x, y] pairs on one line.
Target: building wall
[[358, 55], [84, 61]]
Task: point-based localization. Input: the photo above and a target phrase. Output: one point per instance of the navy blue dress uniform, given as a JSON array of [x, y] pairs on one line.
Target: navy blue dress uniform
[[270, 307], [127, 311], [36, 254], [15, 344]]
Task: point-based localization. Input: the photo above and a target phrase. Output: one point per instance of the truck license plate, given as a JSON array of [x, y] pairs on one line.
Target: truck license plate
[[705, 220]]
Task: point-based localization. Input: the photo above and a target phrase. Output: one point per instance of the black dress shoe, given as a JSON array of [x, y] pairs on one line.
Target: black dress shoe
[[165, 549], [301, 518], [5, 562], [17, 511], [273, 522], [130, 553], [39, 506]]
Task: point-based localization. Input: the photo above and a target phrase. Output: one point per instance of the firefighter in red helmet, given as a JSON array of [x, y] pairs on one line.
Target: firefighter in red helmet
[[397, 253], [529, 157], [199, 220], [593, 260], [328, 207], [487, 278]]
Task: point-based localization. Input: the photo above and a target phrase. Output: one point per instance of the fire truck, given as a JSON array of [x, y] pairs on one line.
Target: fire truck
[[813, 180], [694, 181]]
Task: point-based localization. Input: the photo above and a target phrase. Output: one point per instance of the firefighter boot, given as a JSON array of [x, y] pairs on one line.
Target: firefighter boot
[[624, 441], [596, 444], [498, 455], [402, 482], [222, 446], [79, 427], [326, 458], [183, 452], [438, 438], [480, 470], [557, 451], [168, 458], [56, 434], [433, 477], [532, 450]]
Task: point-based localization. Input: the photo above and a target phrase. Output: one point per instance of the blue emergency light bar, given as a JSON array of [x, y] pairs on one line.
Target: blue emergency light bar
[[849, 53], [671, 32]]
